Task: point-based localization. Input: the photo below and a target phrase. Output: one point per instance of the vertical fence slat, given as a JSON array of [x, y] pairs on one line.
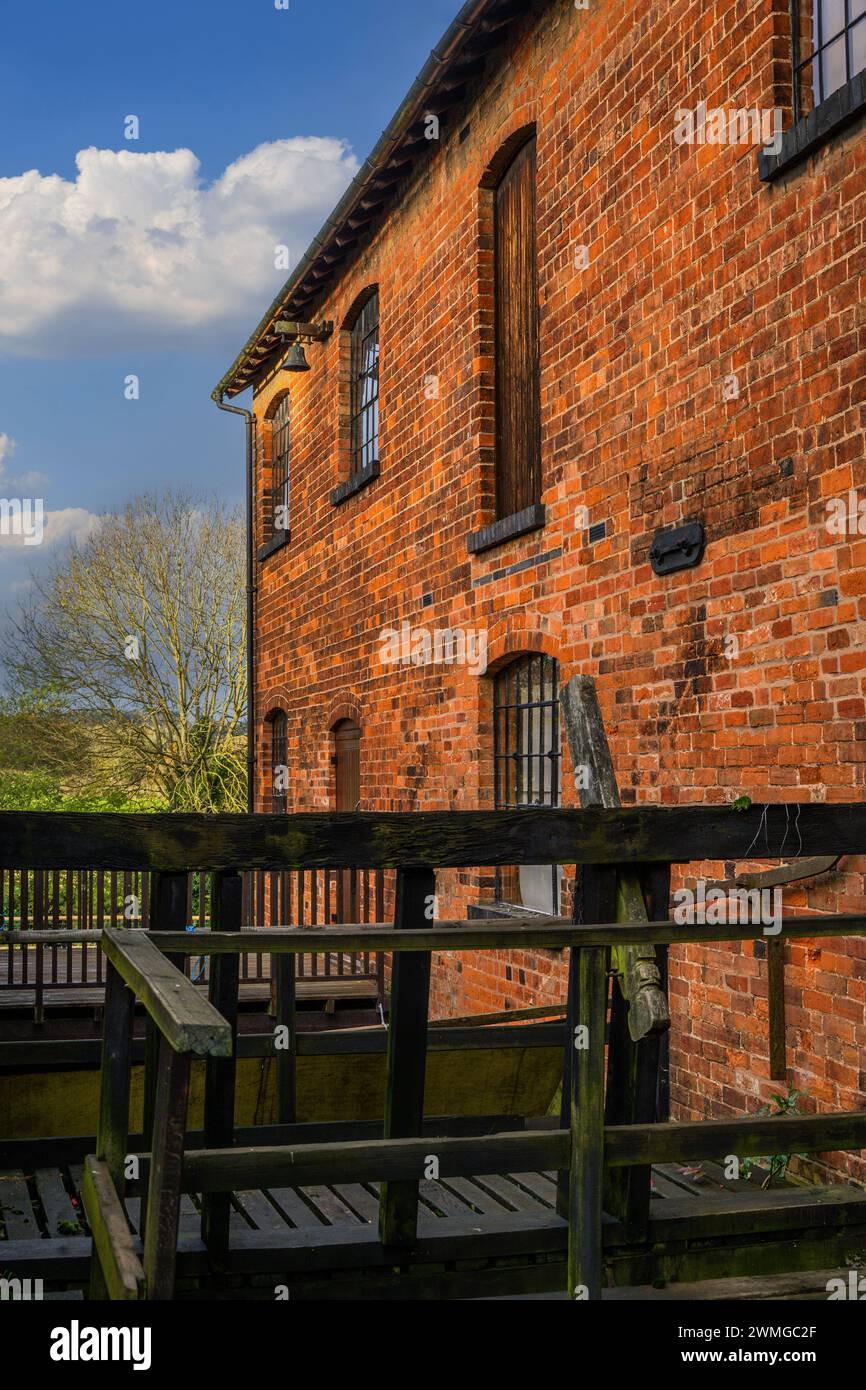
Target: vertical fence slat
[[227, 909], [407, 1053]]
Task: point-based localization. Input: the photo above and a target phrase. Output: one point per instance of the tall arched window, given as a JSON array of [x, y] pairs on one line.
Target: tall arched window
[[364, 370], [527, 759], [280, 456], [518, 404], [279, 762]]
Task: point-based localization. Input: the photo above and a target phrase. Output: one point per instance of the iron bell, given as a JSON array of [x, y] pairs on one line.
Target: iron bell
[[297, 359]]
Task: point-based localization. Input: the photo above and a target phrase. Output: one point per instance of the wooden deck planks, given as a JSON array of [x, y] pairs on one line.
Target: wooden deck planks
[[16, 1209]]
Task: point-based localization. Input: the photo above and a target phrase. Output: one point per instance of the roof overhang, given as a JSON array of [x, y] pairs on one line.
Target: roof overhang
[[457, 60]]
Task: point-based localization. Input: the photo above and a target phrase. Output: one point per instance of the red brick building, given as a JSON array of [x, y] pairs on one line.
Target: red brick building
[[576, 304]]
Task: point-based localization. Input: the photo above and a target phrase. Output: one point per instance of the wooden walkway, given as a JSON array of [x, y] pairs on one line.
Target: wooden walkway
[[310, 1236]]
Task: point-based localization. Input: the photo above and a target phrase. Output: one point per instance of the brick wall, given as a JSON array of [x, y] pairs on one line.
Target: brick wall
[[744, 675]]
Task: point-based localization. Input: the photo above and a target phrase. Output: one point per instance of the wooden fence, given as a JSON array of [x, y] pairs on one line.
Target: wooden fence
[[606, 1139], [85, 901]]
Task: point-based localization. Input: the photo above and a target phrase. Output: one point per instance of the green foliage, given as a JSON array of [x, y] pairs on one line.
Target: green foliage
[[776, 1164], [40, 791], [742, 803]]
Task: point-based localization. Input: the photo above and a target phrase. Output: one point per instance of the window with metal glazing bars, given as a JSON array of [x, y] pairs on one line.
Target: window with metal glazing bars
[[279, 761], [280, 455], [365, 386], [829, 43], [526, 749]]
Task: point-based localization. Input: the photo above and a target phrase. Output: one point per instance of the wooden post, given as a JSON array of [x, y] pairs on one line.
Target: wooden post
[[283, 969], [587, 1124], [407, 1052], [166, 1164], [220, 1072], [167, 913], [112, 1133]]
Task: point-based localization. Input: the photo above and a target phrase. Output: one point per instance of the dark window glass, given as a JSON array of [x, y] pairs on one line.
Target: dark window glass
[[526, 765], [365, 386], [279, 762], [280, 456], [518, 408], [829, 49]]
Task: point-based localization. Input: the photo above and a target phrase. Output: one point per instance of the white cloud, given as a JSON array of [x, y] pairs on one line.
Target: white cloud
[[138, 250], [7, 449], [65, 524]]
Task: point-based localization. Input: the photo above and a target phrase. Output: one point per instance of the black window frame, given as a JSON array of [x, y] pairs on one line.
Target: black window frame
[[364, 388], [508, 725], [819, 44], [281, 457]]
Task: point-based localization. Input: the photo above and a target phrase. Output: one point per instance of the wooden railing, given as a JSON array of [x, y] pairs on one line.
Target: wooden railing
[[606, 1139], [76, 904]]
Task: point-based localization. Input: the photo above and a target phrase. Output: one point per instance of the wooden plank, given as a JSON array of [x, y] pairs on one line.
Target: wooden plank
[[751, 1135], [163, 1191], [16, 1210], [438, 839], [512, 1196], [263, 1214], [221, 1072], [117, 1269], [543, 1187], [475, 1199], [329, 1206], [296, 1209], [587, 1127], [56, 1202], [514, 935], [407, 1053], [112, 1134], [180, 1011], [396, 1159], [355, 1195]]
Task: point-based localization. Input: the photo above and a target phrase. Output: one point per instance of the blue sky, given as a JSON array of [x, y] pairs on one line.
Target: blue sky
[[138, 258]]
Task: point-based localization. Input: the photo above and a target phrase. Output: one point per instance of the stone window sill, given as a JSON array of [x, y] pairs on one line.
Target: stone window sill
[[814, 130], [359, 480], [507, 528], [277, 541]]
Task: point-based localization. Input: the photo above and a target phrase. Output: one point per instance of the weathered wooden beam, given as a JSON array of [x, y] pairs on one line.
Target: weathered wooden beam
[[382, 1160], [587, 1126], [220, 1072], [168, 910], [751, 1136], [596, 785], [112, 1135], [166, 1167], [514, 935], [440, 839], [407, 1052], [283, 971], [116, 1270], [180, 1011]]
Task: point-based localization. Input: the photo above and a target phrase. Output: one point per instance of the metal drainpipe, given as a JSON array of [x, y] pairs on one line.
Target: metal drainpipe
[[251, 589]]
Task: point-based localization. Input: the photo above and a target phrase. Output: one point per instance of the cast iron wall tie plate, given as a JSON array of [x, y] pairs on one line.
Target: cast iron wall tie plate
[[680, 549]]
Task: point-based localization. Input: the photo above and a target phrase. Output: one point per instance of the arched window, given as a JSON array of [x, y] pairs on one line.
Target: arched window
[[280, 456], [279, 762], [518, 403], [527, 759], [364, 377]]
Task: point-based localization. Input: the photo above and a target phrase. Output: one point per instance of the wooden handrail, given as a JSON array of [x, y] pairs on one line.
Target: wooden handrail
[[186, 1020], [433, 839]]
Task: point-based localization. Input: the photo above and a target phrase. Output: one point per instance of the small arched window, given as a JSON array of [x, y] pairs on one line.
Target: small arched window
[[280, 456], [364, 431], [279, 762], [527, 760]]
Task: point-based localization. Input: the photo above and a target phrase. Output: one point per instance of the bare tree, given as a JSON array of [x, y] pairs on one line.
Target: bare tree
[[138, 633]]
